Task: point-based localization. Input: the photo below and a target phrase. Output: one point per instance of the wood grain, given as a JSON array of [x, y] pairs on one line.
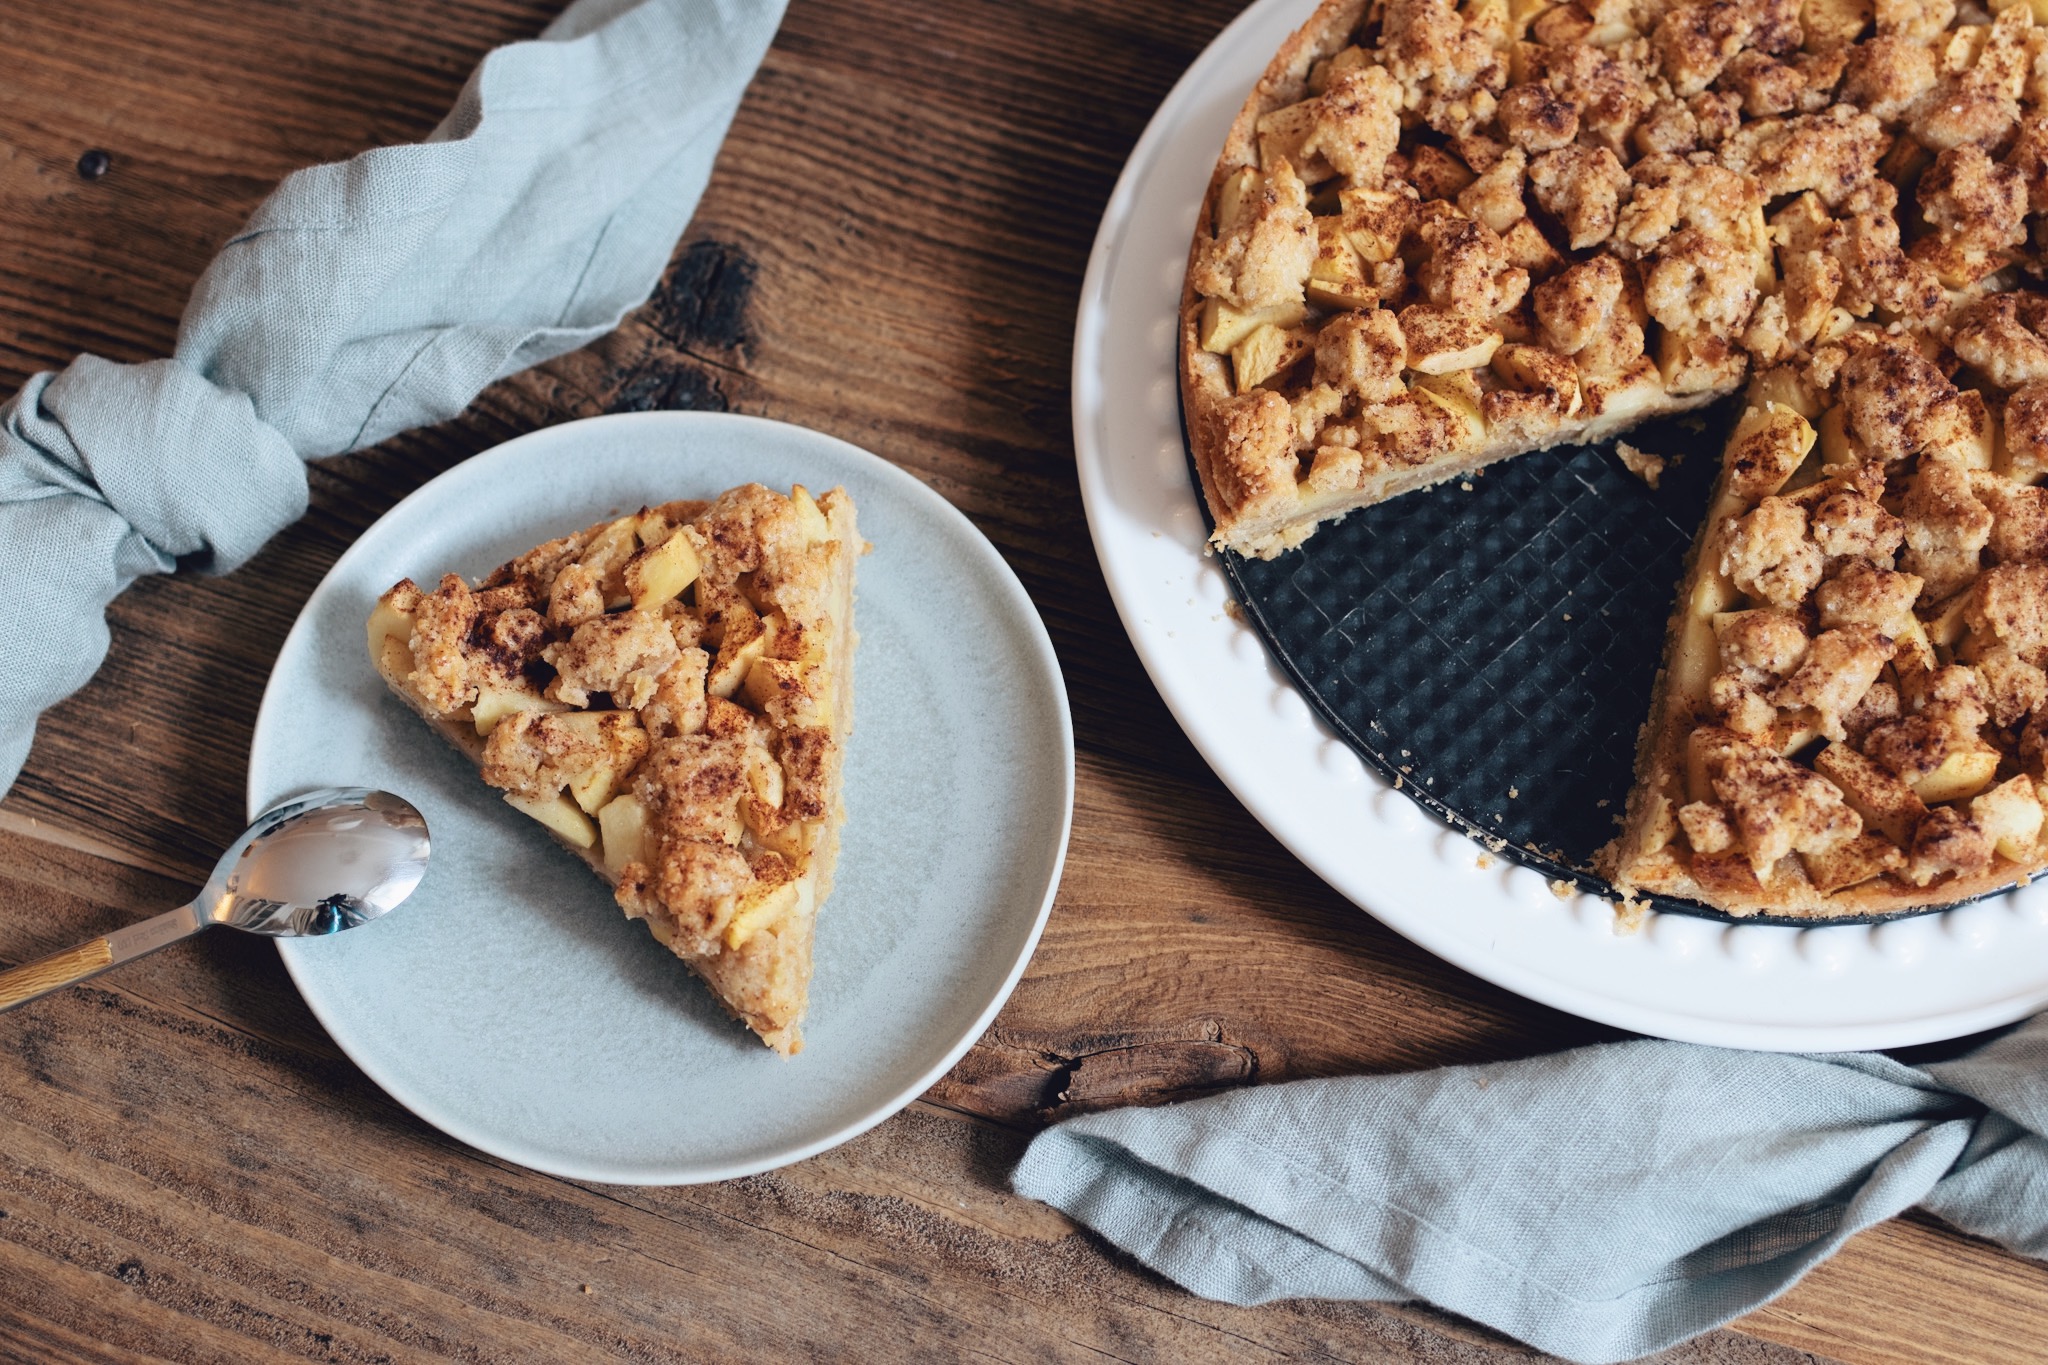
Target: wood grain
[[890, 251], [65, 967]]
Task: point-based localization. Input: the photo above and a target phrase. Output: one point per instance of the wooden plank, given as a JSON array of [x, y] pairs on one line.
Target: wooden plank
[[1915, 1292]]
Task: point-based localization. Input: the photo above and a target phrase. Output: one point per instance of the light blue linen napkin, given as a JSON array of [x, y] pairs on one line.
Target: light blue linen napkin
[[1600, 1204], [363, 298]]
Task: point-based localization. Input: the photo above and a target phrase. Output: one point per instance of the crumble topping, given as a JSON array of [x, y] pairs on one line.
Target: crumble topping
[[1870, 718], [1482, 227], [1445, 233]]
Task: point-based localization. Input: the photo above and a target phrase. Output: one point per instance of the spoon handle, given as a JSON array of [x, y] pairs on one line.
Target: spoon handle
[[18, 985]]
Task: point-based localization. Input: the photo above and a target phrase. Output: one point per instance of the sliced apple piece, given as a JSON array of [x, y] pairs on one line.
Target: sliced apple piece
[[559, 814], [1266, 352], [1866, 856], [1232, 195], [786, 690], [1452, 398], [1873, 791], [1222, 327], [1522, 13], [2010, 815], [1694, 362], [1769, 444], [1915, 651], [493, 704], [388, 623], [1794, 731], [606, 556], [1336, 278], [593, 788], [623, 824], [657, 575], [759, 912], [817, 529], [394, 659], [1281, 134], [736, 658], [793, 840], [1441, 340], [1375, 221], [1960, 775], [1837, 446], [1782, 385], [621, 744]]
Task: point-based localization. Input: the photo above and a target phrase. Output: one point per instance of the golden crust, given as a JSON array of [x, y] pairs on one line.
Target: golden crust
[[683, 675]]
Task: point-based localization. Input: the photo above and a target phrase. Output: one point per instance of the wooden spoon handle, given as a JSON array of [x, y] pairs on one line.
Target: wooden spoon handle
[[73, 965], [31, 979]]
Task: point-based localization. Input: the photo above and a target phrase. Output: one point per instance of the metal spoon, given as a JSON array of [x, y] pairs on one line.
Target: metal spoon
[[317, 864]]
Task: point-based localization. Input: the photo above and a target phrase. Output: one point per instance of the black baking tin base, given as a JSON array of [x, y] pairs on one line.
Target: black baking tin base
[[1489, 644]]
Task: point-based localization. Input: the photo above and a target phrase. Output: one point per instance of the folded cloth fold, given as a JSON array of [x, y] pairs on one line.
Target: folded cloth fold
[[364, 298], [1600, 1204]]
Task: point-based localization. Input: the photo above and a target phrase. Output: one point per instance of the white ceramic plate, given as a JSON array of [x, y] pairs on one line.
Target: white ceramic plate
[[1844, 986], [510, 1004]]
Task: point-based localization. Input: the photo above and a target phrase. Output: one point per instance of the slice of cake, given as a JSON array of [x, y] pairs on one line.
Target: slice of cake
[[1850, 718], [669, 694]]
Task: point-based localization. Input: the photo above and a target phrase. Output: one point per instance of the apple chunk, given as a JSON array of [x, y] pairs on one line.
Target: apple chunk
[[1222, 327], [1886, 803], [759, 912], [793, 841], [657, 575], [388, 623], [786, 690], [737, 652], [817, 530], [493, 704], [607, 555], [559, 814], [2010, 815], [394, 659], [623, 822], [1960, 775]]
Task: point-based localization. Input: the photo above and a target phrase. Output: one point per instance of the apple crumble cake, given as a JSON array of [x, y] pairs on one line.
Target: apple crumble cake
[[1442, 234], [669, 694]]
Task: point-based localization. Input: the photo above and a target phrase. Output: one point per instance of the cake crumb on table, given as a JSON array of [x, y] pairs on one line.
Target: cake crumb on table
[[1645, 466]]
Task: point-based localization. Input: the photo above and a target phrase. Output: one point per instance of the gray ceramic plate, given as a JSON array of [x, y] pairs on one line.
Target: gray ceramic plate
[[511, 1005]]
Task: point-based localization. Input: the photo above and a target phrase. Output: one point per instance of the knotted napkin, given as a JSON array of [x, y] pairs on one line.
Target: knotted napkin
[[363, 298], [1600, 1204]]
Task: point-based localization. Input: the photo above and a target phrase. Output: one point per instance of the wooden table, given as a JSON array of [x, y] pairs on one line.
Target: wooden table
[[890, 251]]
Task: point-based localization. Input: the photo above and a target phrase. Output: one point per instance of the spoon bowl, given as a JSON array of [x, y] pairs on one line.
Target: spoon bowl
[[321, 863], [317, 864]]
